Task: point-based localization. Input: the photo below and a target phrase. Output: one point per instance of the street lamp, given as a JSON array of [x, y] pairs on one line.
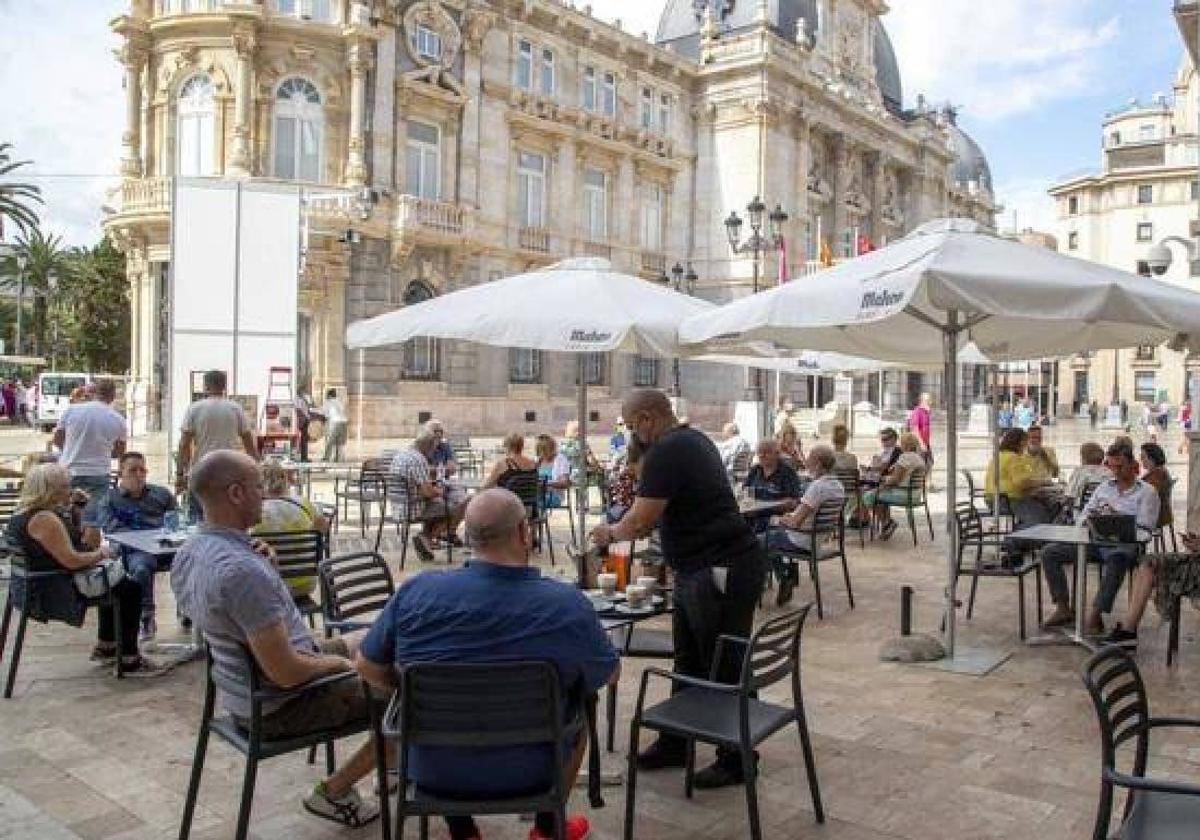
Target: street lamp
[[756, 246], [681, 280]]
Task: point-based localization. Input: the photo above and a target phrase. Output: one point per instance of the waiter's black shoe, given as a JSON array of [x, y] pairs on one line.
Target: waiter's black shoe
[[660, 756], [722, 773], [784, 595]]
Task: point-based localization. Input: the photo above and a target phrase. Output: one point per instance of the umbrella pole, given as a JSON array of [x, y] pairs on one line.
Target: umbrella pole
[[950, 359], [994, 428], [581, 490]]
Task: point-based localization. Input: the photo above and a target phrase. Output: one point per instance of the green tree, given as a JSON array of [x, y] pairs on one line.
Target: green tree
[[90, 320], [16, 198], [44, 261]]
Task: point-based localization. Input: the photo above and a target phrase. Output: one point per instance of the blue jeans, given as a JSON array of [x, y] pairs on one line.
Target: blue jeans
[[140, 567], [1115, 561], [95, 486]]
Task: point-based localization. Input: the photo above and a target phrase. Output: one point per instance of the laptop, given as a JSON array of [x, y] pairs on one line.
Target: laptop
[[1113, 528]]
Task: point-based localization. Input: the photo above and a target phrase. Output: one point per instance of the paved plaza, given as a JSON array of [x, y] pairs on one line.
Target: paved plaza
[[901, 751]]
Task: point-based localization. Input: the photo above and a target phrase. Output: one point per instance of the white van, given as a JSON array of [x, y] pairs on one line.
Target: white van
[[54, 395]]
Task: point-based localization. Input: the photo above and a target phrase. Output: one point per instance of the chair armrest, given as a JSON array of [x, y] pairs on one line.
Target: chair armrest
[[1153, 723], [1149, 784], [303, 688], [692, 682]]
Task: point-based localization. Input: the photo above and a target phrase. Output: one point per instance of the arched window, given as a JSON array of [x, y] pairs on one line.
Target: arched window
[[299, 126], [195, 133], [420, 355]]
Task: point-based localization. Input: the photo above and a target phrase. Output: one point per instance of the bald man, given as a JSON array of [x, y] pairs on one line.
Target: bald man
[[495, 609], [719, 566], [235, 597]]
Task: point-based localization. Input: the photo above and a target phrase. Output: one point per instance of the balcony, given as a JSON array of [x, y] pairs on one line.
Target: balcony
[[145, 197], [430, 219], [535, 239]]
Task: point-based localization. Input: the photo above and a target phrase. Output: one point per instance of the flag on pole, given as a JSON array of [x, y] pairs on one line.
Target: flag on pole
[[783, 263], [826, 254]]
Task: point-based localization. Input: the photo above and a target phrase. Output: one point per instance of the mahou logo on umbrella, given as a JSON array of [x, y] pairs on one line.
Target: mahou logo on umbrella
[[877, 302], [588, 337]]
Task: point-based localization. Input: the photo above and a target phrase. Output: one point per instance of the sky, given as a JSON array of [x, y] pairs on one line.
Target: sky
[[1032, 79]]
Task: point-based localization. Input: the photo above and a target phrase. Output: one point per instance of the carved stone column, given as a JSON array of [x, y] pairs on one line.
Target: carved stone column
[[360, 63], [842, 153], [244, 44], [133, 57]]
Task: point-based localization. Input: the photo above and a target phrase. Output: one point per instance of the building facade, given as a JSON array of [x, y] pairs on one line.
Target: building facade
[[443, 143], [1144, 196]]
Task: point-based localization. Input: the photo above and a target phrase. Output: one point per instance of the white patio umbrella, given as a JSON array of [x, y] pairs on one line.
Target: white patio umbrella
[[575, 306], [922, 298]]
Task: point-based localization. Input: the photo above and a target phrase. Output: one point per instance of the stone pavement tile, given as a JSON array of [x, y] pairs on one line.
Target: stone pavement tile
[[106, 825], [21, 818]]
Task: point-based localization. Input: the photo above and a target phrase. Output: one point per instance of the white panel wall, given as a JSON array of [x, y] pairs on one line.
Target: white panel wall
[[234, 281]]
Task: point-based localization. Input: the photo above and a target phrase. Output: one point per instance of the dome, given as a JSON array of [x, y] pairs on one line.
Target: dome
[[970, 164], [679, 26]]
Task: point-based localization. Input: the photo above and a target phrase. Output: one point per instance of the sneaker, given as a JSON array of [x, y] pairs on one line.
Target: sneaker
[[424, 550], [657, 756], [1061, 617], [148, 629], [143, 668], [1121, 637], [578, 828], [721, 773], [348, 810]]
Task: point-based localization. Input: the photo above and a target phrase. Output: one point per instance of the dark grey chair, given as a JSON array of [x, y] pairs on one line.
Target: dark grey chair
[[973, 536], [826, 530], [852, 483], [498, 705], [367, 488], [404, 510], [916, 495], [25, 589], [354, 589], [530, 488], [729, 715], [1155, 809], [298, 554]]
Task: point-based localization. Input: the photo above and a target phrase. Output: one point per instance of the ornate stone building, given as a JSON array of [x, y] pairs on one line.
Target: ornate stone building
[[492, 136], [1143, 199]]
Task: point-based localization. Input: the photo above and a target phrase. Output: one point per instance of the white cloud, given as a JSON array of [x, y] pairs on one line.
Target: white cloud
[[636, 16], [63, 105], [998, 59], [1026, 205]]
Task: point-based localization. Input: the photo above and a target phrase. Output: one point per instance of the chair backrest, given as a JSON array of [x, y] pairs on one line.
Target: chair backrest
[[354, 585], [298, 553], [850, 480], [498, 704], [740, 467], [827, 519], [1086, 495], [968, 522], [1122, 707], [9, 497], [524, 485], [774, 652], [971, 491]]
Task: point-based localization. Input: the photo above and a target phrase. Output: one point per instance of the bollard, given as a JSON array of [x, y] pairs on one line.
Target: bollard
[[906, 599]]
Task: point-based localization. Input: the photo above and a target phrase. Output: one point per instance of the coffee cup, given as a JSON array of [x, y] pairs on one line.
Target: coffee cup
[[649, 583], [637, 596], [607, 582]]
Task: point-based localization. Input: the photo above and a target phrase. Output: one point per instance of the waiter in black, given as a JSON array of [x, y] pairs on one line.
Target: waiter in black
[[719, 566]]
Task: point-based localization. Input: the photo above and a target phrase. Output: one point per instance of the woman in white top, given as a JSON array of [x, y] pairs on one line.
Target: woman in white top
[[335, 425], [893, 489], [823, 488]]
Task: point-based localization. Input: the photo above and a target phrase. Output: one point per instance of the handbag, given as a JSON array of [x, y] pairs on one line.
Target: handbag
[[99, 580]]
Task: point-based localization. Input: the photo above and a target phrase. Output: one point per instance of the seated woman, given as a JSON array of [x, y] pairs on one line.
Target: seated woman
[[623, 485], [1019, 481], [1154, 473], [790, 449], [843, 458], [284, 512], [772, 479], [892, 487], [46, 526], [513, 461], [554, 469]]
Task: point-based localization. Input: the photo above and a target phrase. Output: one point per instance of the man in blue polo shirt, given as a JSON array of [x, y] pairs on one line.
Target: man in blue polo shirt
[[496, 608], [135, 505]]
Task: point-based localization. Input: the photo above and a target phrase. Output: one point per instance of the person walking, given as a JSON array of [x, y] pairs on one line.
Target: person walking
[[302, 406], [90, 435], [1093, 413], [211, 424], [334, 414], [719, 565]]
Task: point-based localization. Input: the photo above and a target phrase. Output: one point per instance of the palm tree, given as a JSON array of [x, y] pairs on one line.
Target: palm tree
[[44, 258], [16, 198]]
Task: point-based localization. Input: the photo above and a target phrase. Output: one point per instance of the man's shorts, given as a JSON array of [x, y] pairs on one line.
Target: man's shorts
[[330, 707]]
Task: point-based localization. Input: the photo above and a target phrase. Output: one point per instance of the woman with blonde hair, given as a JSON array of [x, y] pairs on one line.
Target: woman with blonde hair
[[514, 461], [46, 527], [554, 469], [284, 512], [891, 487], [790, 449]]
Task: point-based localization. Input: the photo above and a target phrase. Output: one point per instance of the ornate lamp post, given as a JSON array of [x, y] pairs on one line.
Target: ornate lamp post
[[681, 280], [756, 245]]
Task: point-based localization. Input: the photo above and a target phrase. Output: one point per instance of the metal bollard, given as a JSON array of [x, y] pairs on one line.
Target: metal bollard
[[906, 602]]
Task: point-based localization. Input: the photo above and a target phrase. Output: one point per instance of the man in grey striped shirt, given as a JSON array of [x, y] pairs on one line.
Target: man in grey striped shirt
[[226, 584]]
